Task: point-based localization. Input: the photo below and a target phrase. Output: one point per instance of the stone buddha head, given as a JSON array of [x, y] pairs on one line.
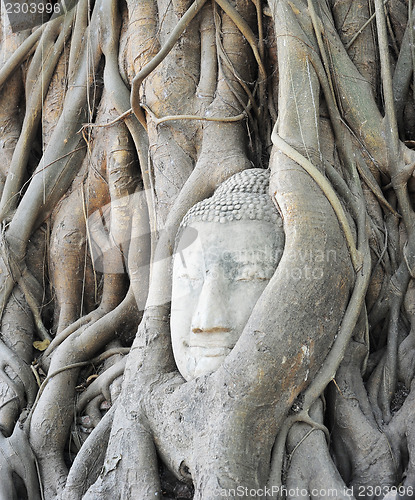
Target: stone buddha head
[[219, 276]]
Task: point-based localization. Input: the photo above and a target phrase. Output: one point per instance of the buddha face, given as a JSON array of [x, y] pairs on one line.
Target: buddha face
[[217, 280]]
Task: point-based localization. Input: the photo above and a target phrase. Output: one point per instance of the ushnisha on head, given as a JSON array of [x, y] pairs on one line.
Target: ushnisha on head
[[244, 196], [228, 247]]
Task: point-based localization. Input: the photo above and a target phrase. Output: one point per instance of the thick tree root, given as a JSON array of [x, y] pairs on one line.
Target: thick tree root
[[363, 450], [89, 461], [54, 409], [16, 457], [311, 471]]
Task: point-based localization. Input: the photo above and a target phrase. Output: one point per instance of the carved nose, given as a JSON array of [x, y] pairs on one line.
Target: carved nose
[[211, 315]]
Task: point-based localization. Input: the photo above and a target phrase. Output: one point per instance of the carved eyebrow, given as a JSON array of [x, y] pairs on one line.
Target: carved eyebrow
[[263, 262], [262, 272], [184, 273]]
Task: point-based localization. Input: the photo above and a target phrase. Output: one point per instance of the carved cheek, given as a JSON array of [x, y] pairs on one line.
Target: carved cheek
[[183, 305]]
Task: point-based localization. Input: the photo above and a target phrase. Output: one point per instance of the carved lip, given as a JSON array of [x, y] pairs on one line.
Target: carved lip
[[211, 351]]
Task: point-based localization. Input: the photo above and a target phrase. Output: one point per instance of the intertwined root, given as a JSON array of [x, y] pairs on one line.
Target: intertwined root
[[18, 467]]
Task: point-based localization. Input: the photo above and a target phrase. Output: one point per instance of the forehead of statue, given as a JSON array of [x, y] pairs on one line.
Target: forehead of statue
[[237, 241]]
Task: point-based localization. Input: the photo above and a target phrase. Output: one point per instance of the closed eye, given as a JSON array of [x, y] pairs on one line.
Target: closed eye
[[252, 274], [252, 278], [192, 279]]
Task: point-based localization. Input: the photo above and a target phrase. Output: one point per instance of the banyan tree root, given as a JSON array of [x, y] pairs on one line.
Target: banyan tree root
[[10, 94], [17, 385], [122, 182], [102, 385], [363, 451], [118, 256], [311, 472], [56, 170], [18, 467], [54, 407], [69, 249], [89, 461], [400, 432], [82, 225]]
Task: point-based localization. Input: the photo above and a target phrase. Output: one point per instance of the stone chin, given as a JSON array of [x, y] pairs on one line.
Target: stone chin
[[202, 360], [204, 366]]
